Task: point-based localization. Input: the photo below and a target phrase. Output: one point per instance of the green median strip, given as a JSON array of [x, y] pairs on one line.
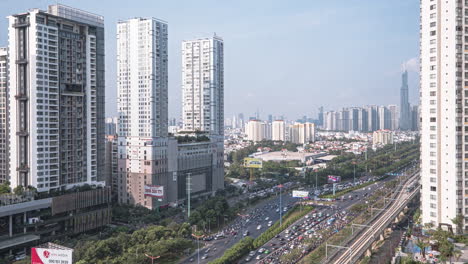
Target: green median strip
[[288, 219], [247, 244]]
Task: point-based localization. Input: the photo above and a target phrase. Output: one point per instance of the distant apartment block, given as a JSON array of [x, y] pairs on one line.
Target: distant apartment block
[[382, 137], [278, 130], [302, 133]]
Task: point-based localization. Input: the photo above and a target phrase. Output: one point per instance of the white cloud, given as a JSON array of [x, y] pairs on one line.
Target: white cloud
[[411, 65]]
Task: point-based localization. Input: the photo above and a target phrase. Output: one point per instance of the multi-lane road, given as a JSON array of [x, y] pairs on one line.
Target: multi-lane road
[[255, 221], [254, 217]]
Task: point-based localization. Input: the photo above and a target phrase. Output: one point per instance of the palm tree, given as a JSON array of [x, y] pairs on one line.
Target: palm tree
[[422, 244]]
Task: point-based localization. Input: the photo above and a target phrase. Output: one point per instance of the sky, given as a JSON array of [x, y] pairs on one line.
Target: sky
[[284, 57]]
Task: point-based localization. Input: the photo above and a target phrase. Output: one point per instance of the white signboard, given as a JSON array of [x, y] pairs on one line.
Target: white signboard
[[154, 191], [51, 256], [300, 194]]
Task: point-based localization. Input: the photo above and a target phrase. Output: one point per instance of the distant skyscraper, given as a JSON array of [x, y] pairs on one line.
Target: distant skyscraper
[[320, 116], [362, 120], [278, 130], [270, 118], [444, 143], [4, 141], [405, 111], [394, 117], [384, 118], [111, 126], [372, 118], [142, 82], [203, 85], [56, 99]]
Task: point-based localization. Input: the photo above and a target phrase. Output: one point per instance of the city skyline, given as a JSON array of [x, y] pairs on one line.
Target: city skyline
[[257, 89]]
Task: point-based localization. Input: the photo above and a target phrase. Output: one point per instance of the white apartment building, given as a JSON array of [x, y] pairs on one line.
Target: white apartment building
[[56, 98], [203, 85], [142, 81], [256, 130], [302, 133], [278, 130], [444, 130], [382, 137], [4, 142]]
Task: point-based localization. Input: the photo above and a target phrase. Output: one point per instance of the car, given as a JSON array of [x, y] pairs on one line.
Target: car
[[272, 244], [267, 252], [191, 260], [267, 218], [247, 259], [261, 250], [252, 253], [259, 227], [277, 236], [204, 256], [258, 257]]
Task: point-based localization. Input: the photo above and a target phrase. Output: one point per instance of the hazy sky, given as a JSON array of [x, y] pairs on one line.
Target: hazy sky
[[281, 57]]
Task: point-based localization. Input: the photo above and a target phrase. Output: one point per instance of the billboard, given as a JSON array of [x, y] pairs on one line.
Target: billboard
[[49, 256], [300, 194], [154, 191], [253, 163], [334, 179]]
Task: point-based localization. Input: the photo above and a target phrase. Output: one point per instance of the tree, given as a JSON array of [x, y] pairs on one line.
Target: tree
[[19, 190], [5, 187], [458, 222], [422, 244]]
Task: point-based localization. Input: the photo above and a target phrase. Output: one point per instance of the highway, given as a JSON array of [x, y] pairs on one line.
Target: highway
[[256, 216], [362, 241], [290, 238]]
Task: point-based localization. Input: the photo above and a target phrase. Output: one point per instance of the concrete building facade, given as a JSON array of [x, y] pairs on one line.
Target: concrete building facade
[[203, 85], [56, 99]]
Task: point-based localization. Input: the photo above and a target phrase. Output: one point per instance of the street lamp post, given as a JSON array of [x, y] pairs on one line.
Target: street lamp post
[[198, 247], [280, 206], [316, 181], [354, 182]]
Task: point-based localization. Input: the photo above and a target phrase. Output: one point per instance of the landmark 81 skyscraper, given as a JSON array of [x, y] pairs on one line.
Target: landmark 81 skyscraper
[[405, 112]]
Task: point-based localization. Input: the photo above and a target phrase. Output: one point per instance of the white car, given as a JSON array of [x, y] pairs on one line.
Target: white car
[[267, 218], [259, 227]]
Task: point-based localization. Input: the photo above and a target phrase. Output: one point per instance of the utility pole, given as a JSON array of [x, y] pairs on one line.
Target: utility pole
[[280, 206], [189, 191], [316, 181], [354, 182]]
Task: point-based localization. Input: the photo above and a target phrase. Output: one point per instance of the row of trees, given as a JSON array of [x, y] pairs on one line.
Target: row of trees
[[211, 213], [167, 242], [378, 163]]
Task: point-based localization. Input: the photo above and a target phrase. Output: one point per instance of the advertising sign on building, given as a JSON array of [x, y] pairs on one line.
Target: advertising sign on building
[[300, 194], [51, 256], [334, 179], [253, 163], [154, 191]]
